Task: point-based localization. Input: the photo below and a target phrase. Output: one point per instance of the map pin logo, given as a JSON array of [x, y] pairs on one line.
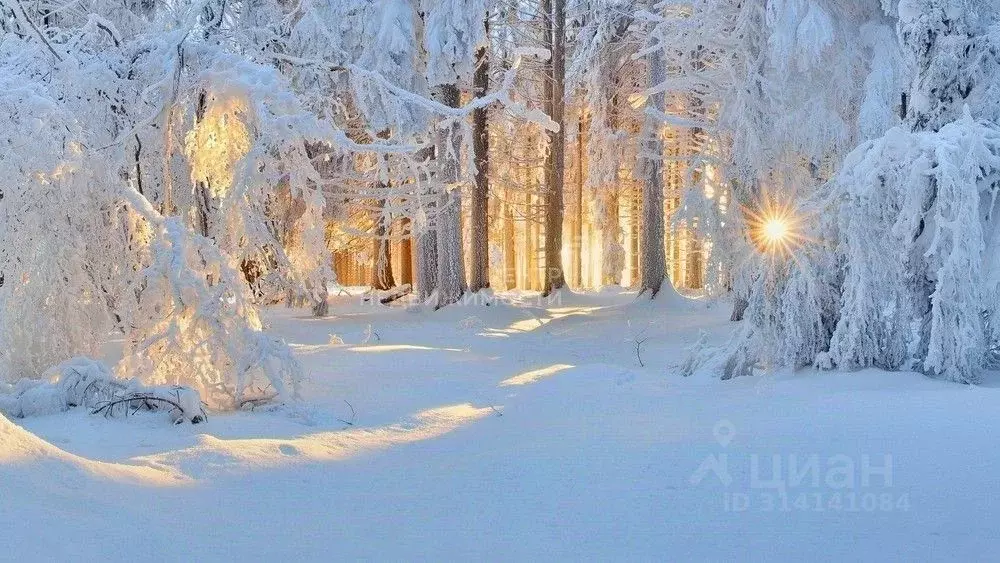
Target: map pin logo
[[723, 431]]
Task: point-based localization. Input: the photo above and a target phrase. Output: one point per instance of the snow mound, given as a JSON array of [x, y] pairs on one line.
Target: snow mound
[[28, 461], [18, 445], [669, 298]]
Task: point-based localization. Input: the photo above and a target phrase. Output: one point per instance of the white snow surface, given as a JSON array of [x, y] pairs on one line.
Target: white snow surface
[[518, 431]]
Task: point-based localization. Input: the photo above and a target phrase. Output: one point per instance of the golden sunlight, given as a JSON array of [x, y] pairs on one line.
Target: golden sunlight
[[217, 143], [774, 228]]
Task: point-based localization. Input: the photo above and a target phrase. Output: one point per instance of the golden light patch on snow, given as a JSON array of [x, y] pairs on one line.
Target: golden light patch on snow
[[400, 348], [535, 375], [243, 454], [534, 323], [559, 312], [528, 325]]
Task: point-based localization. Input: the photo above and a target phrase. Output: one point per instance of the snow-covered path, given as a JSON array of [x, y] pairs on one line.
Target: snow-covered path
[[515, 432]]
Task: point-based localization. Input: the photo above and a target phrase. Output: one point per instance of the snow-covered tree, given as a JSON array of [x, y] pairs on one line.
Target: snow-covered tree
[[896, 272], [171, 166], [931, 186]]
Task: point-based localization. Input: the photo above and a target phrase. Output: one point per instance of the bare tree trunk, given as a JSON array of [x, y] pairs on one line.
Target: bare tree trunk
[[634, 209], [479, 248], [425, 273], [406, 254], [654, 266], [699, 137], [739, 308], [555, 162], [382, 277], [509, 246], [450, 265], [427, 262], [612, 259], [578, 225], [612, 251], [525, 226], [202, 196], [531, 245]]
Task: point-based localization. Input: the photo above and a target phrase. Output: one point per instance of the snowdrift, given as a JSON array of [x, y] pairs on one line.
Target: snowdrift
[[28, 463]]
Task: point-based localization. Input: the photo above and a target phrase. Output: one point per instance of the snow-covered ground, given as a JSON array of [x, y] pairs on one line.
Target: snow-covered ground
[[520, 430]]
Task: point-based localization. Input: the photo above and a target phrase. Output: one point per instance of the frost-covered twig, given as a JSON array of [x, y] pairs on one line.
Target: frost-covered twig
[[353, 415], [638, 339], [145, 401]]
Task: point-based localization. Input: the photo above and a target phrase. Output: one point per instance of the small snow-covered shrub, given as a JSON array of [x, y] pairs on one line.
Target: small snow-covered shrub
[[83, 382], [39, 399], [196, 326], [699, 356]]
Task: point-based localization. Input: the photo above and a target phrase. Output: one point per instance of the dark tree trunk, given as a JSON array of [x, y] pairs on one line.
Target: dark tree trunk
[[739, 308], [202, 194], [479, 248], [555, 162], [653, 263]]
